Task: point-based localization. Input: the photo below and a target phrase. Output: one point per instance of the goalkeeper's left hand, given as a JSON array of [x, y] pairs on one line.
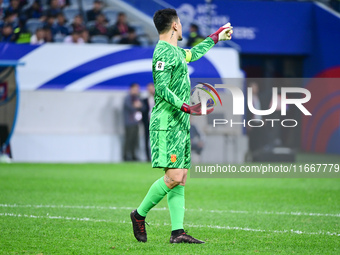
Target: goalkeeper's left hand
[[195, 109], [223, 33]]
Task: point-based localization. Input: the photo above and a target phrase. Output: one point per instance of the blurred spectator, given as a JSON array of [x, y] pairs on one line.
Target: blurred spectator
[[48, 35], [132, 109], [75, 38], [131, 38], [7, 34], [50, 22], [86, 36], [61, 3], [148, 103], [194, 36], [78, 24], [255, 134], [100, 27], [196, 140], [60, 28], [38, 37], [14, 8], [22, 3], [275, 133], [49, 26], [11, 19], [92, 14], [34, 11], [2, 9], [54, 9], [22, 35], [121, 27]]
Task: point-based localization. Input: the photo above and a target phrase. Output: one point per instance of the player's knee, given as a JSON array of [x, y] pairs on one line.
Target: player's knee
[[172, 181], [176, 180]]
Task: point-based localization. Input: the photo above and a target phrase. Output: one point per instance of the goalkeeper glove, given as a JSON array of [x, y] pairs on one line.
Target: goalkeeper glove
[[195, 109], [223, 33]]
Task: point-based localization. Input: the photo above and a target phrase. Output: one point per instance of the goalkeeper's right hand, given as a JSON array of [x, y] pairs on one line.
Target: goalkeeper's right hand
[[195, 109], [223, 33]]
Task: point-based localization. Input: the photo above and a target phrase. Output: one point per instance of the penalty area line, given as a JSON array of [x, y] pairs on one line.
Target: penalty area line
[[85, 219]]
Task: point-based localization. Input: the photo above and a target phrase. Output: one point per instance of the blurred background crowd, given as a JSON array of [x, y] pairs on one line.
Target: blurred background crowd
[[78, 21], [40, 21]]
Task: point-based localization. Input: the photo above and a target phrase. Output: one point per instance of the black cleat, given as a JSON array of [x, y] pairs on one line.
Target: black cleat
[[184, 238], [138, 228]]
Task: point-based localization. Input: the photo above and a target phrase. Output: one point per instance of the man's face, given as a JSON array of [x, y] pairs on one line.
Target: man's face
[[97, 6], [7, 30], [101, 19], [151, 88], [134, 90], [15, 4], [61, 19], [122, 18]]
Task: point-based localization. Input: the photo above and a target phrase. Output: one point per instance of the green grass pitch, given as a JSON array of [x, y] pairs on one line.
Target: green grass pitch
[[84, 209]]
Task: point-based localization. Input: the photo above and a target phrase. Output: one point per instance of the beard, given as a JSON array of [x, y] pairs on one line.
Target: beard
[[180, 38]]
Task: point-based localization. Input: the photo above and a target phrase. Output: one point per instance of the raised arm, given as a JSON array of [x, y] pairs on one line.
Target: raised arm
[[222, 34], [199, 50]]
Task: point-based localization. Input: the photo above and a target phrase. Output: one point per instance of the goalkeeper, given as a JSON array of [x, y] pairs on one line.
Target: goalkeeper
[[170, 122]]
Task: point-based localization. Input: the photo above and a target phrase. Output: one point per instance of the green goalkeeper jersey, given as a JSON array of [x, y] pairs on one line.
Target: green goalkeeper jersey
[[172, 84]]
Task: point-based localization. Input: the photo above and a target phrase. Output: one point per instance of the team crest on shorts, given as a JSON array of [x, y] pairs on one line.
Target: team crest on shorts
[[173, 158]]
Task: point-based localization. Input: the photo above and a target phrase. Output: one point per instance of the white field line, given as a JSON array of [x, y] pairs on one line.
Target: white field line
[[164, 209], [292, 231]]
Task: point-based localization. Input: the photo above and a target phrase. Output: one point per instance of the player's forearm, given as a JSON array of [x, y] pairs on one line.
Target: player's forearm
[[166, 94], [199, 50]]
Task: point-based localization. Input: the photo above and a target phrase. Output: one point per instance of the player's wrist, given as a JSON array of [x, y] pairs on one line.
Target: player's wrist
[[185, 108], [222, 34], [214, 35]]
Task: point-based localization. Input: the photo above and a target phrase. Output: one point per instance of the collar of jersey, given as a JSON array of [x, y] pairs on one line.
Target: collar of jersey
[[161, 41]]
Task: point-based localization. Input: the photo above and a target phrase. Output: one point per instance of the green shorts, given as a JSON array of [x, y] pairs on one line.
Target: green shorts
[[170, 149]]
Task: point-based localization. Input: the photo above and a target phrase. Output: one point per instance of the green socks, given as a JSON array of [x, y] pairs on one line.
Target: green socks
[[155, 194], [176, 204]]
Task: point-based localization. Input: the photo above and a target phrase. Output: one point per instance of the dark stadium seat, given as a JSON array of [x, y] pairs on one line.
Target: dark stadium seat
[[138, 28], [144, 40], [70, 12], [58, 38], [87, 4], [110, 14], [33, 24], [99, 39], [90, 24]]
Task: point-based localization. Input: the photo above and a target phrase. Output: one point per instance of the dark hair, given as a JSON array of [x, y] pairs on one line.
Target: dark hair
[[131, 30], [133, 84], [163, 19], [194, 26]]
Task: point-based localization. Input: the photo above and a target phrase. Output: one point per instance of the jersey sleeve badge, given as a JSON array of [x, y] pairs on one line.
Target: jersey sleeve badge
[[160, 65]]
